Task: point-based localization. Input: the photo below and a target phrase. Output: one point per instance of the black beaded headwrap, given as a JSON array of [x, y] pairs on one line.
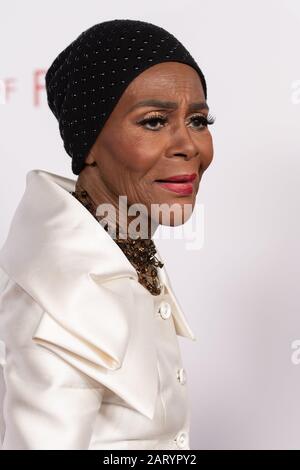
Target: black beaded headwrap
[[86, 80]]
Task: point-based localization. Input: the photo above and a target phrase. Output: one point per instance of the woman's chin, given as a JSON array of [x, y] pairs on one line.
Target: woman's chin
[[177, 214]]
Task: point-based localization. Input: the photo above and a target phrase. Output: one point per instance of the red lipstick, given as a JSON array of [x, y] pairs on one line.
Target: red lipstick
[[181, 184]]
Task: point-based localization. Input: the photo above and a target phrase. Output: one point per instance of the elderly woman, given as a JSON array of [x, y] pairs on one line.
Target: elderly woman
[[88, 317]]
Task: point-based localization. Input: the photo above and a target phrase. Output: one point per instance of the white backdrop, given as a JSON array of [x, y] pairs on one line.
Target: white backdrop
[[240, 291]]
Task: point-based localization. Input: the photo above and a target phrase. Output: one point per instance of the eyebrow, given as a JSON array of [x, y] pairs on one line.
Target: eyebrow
[[169, 105]]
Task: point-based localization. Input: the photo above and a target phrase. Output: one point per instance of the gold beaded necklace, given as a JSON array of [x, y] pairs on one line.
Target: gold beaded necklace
[[140, 252]]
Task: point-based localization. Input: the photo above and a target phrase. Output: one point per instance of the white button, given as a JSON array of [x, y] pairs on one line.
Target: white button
[[165, 310], [181, 376], [181, 439]]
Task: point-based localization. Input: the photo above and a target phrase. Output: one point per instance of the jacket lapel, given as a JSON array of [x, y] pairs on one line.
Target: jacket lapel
[[181, 325]]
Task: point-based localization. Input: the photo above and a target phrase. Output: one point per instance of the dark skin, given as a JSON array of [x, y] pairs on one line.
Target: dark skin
[[129, 157]]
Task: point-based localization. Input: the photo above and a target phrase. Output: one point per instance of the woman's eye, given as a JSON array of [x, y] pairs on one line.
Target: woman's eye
[[156, 122], [200, 121], [152, 122]]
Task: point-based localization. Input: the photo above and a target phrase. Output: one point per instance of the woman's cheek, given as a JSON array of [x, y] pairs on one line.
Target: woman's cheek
[[141, 160]]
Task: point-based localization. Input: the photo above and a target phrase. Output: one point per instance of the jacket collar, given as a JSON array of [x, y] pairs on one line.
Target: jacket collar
[[54, 245], [59, 220]]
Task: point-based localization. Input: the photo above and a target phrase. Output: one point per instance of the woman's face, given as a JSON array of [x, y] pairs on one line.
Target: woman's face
[[142, 143]]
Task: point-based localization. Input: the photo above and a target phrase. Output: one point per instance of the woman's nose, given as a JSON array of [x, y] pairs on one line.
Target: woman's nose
[[183, 143]]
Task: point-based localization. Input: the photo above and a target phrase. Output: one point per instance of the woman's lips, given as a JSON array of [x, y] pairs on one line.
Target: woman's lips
[[180, 188]]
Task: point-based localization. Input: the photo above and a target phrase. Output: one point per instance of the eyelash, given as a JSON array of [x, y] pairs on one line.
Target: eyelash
[[206, 121]]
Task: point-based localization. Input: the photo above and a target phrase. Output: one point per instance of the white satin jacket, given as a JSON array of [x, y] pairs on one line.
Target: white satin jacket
[[89, 358]]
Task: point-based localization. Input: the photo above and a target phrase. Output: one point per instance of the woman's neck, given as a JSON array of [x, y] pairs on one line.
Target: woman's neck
[[117, 220]]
